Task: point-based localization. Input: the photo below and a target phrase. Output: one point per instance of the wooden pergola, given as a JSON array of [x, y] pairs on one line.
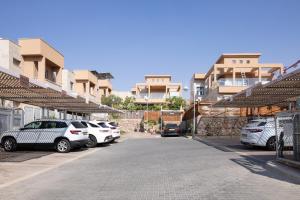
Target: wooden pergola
[[280, 92], [21, 89]]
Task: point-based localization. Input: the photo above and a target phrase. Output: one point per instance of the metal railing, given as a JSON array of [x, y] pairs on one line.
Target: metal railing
[[240, 81]]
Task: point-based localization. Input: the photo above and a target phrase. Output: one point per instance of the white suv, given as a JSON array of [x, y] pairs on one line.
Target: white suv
[[116, 133], [97, 134], [63, 135]]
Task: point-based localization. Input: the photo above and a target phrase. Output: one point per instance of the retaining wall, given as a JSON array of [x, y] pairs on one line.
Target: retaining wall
[[220, 126]]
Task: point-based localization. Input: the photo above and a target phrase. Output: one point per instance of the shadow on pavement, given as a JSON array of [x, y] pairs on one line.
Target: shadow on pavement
[[24, 154], [262, 169]]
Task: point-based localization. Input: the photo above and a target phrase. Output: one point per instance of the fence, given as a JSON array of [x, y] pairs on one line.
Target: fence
[[11, 119], [288, 136]]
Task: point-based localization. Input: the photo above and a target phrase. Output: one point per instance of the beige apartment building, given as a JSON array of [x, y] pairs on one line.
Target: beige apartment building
[[231, 74], [41, 61], [104, 82], [156, 89], [86, 85]]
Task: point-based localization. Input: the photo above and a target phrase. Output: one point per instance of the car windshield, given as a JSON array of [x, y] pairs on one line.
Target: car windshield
[[171, 126]]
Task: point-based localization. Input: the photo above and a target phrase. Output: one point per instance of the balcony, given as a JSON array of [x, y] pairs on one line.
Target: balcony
[[240, 81], [228, 86], [155, 97]]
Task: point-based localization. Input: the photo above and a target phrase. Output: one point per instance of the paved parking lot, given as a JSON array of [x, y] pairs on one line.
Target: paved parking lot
[[158, 168], [227, 143]]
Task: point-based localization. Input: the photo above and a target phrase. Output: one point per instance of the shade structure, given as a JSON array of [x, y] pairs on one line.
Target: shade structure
[[18, 88], [278, 92]]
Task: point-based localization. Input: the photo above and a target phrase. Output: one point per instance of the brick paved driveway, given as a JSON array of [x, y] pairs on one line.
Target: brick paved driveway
[[159, 168]]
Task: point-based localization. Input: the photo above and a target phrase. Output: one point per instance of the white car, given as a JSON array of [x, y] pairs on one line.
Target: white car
[[116, 133], [97, 134], [63, 135], [261, 132]]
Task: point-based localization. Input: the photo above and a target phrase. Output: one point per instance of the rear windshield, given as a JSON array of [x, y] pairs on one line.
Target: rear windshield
[[171, 125], [113, 124], [84, 124], [262, 124], [103, 125], [93, 125], [78, 125]]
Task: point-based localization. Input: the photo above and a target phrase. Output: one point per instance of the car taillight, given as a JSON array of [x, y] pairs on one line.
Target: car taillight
[[255, 130], [76, 132]]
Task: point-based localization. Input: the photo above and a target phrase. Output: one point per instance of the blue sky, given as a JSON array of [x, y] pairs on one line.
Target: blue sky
[[131, 38]]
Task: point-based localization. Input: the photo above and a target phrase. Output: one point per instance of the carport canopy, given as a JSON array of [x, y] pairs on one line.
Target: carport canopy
[[21, 89], [280, 92]]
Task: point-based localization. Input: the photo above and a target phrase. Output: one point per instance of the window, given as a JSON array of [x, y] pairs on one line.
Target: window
[[248, 61], [16, 62], [262, 124], [33, 125], [46, 74], [200, 91], [71, 86], [78, 125], [61, 125], [85, 124], [84, 87], [53, 124], [241, 61], [93, 125], [233, 61], [36, 69], [103, 125]]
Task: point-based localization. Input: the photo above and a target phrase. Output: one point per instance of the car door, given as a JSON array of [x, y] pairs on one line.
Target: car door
[[30, 133], [51, 130]]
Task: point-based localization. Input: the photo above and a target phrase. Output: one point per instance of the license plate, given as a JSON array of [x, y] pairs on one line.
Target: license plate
[[244, 135], [172, 129]]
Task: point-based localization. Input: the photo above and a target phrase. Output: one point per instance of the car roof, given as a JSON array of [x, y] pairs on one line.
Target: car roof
[[54, 120]]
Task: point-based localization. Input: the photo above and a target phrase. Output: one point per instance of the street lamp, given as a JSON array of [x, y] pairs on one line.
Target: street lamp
[[146, 99], [194, 97]]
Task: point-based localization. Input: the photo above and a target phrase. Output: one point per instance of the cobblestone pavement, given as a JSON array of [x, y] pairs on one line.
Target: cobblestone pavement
[[158, 169]]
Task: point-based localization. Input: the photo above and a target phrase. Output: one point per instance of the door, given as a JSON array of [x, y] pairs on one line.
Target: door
[[51, 130], [30, 133]]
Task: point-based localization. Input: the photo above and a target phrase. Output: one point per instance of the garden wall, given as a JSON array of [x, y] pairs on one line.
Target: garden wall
[[220, 126]]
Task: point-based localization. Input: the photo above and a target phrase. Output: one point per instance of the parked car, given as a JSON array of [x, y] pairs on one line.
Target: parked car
[[261, 132], [171, 130], [97, 134], [63, 135], [116, 133]]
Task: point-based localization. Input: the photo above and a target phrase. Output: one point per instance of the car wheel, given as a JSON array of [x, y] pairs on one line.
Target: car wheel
[[271, 144], [9, 144], [92, 142], [63, 146]]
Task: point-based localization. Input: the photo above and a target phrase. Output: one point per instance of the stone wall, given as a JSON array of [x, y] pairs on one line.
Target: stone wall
[[128, 125], [220, 126]]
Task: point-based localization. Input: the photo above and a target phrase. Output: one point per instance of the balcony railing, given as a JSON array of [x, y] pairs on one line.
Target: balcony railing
[[153, 95], [240, 81]]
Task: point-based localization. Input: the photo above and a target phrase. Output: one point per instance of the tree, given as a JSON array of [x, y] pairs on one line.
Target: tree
[[112, 101], [175, 103], [129, 104]]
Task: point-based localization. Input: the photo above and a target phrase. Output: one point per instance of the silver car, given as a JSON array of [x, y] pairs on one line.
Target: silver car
[[63, 135]]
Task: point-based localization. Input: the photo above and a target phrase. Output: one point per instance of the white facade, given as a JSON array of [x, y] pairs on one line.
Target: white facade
[[68, 81], [10, 57]]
